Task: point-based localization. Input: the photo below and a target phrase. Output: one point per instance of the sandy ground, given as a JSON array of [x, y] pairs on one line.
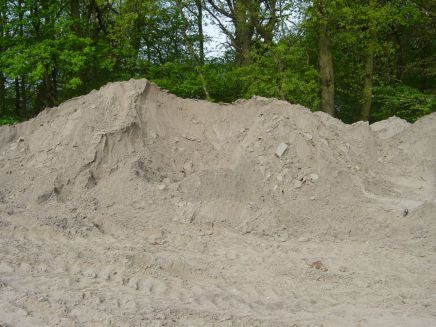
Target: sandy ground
[[132, 207]]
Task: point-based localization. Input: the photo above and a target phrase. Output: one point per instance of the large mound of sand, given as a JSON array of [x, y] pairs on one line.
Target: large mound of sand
[[132, 207]]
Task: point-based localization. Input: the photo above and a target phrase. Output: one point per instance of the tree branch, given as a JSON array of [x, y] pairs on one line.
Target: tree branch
[[221, 25], [220, 10]]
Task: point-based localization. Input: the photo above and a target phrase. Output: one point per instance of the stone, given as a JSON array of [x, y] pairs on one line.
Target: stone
[[304, 238], [324, 141], [319, 265], [156, 238], [281, 149], [282, 236], [162, 187], [44, 197], [188, 167], [298, 184], [313, 177]]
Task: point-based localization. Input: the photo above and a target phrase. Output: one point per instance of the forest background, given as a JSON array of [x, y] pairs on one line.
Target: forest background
[[354, 59]]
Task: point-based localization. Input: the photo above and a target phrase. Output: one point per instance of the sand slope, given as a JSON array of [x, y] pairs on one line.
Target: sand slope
[[132, 207]]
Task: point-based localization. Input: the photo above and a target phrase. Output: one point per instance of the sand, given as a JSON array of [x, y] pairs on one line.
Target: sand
[[132, 207]]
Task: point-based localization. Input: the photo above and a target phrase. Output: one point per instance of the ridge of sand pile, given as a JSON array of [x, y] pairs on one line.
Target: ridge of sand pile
[[133, 162]]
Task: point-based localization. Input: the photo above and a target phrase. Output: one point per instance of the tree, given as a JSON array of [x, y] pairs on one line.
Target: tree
[[249, 18], [198, 58], [369, 60], [353, 59], [3, 45], [322, 20]]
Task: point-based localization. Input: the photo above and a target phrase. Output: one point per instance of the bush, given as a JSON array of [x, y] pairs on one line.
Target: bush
[[402, 101], [8, 120]]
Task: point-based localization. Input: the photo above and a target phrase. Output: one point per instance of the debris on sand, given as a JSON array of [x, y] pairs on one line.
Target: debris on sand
[[281, 149], [318, 265]]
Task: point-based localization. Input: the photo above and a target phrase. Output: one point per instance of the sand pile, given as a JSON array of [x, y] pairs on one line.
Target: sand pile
[[130, 206]]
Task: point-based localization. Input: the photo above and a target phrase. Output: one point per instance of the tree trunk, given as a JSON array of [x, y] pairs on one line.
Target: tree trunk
[[191, 50], [199, 5], [246, 20], [3, 18], [369, 64], [54, 83], [243, 33], [266, 27], [367, 86], [75, 15], [2, 95], [326, 71], [23, 97], [17, 97], [136, 37], [22, 82], [50, 88], [400, 57]]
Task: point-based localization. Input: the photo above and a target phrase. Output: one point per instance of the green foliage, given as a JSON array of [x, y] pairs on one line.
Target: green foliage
[[402, 101], [403, 48], [283, 72], [68, 54], [179, 78], [223, 80], [53, 50], [8, 120]]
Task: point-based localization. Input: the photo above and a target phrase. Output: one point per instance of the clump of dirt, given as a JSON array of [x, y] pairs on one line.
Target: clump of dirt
[[210, 211]]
